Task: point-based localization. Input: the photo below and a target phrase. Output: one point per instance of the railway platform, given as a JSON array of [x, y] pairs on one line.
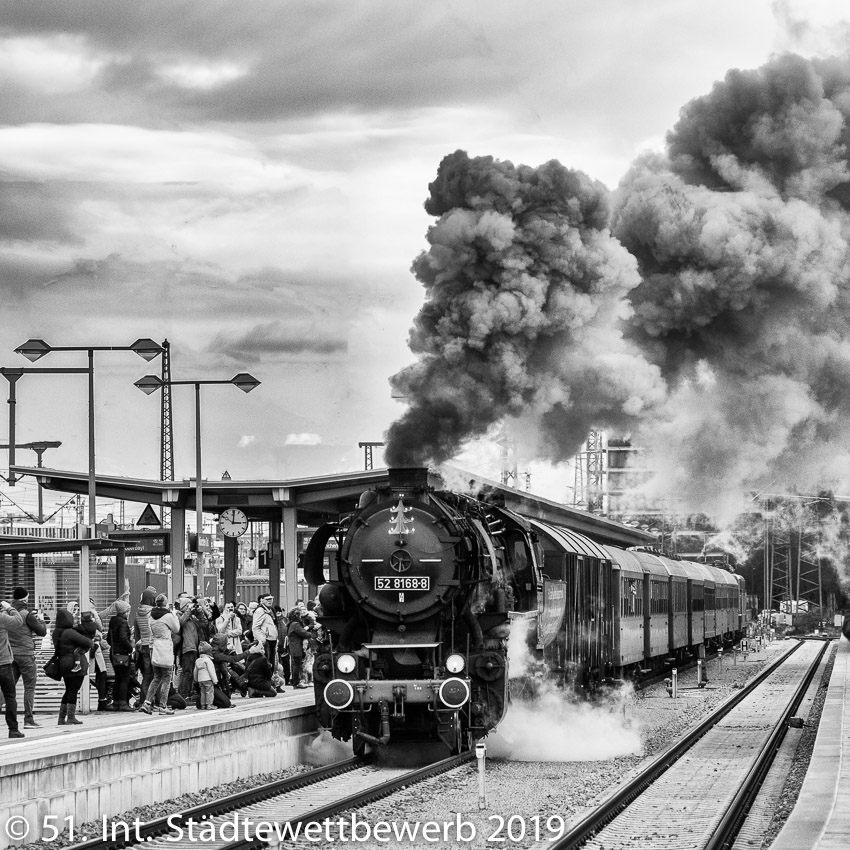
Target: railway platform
[[115, 762], [821, 817]]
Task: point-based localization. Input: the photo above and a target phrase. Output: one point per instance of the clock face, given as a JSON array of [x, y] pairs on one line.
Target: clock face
[[233, 523]]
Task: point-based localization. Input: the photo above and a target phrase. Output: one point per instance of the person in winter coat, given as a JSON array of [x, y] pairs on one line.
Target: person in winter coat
[[282, 622], [194, 628], [65, 640], [246, 618], [264, 628], [227, 664], [230, 625], [120, 651], [296, 634], [259, 674], [205, 676], [9, 618], [142, 634], [22, 640], [164, 624]]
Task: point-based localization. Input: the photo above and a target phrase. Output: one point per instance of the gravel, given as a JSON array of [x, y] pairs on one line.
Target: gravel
[[578, 754]]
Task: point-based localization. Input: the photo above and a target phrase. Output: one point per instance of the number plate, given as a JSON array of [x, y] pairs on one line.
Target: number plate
[[402, 582]]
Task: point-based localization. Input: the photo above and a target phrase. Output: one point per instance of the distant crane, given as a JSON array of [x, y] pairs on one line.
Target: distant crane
[[367, 447], [166, 451]]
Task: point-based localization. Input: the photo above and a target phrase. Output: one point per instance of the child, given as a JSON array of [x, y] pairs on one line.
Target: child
[[87, 627], [205, 675]]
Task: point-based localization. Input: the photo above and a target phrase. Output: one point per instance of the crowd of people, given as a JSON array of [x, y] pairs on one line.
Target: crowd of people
[[175, 654]]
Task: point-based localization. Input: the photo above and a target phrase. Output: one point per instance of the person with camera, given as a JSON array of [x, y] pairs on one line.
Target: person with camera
[[22, 640], [194, 628]]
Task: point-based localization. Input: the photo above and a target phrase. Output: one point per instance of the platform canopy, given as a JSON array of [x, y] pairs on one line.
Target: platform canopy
[[322, 498]]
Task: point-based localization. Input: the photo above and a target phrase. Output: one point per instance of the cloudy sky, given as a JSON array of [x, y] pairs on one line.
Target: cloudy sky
[[247, 180]]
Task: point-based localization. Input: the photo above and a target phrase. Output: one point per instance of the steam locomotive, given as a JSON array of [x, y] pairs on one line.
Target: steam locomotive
[[419, 602]]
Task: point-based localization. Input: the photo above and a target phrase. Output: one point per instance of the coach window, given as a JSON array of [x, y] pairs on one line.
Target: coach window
[[697, 599], [659, 597], [631, 597], [680, 597]]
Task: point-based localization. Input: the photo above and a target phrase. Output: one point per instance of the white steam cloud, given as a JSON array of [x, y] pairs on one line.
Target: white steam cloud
[[554, 726]]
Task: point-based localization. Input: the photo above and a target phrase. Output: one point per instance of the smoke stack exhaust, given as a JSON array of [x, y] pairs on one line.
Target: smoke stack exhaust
[[410, 478]]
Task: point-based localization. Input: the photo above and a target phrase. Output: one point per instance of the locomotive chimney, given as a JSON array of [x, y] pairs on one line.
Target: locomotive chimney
[[409, 478]]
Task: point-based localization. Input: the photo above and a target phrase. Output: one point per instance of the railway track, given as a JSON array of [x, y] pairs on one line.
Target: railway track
[[273, 813], [696, 794]]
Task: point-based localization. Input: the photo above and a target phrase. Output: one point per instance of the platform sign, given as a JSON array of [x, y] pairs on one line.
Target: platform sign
[[145, 542], [554, 605], [149, 517]]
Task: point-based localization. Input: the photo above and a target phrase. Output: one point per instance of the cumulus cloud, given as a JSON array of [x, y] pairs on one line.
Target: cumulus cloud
[[247, 440]]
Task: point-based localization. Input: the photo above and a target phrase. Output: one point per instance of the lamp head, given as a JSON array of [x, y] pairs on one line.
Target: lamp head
[[245, 382], [33, 349], [147, 349], [149, 384]]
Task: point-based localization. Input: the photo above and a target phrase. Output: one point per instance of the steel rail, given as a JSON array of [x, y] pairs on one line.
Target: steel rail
[[361, 798], [162, 826], [729, 826], [594, 820]]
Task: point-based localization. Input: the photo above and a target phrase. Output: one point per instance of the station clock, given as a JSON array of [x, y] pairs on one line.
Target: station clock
[[233, 523]]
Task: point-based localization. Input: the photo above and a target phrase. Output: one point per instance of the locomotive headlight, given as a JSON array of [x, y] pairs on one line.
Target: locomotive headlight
[[454, 693], [346, 663], [339, 694], [455, 663]]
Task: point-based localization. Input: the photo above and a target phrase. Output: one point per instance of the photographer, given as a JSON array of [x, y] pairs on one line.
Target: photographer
[[194, 628]]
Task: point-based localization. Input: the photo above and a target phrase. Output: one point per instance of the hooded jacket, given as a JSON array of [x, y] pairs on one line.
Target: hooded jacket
[[7, 618], [22, 636], [164, 624], [66, 639], [142, 623], [263, 625], [258, 671]]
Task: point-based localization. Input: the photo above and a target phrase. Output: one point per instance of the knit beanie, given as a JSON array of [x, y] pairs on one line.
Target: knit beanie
[[257, 649], [149, 597], [122, 607], [20, 593], [204, 648]]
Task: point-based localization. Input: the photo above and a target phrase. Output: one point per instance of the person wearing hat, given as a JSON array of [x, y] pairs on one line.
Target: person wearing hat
[[9, 618], [22, 639], [66, 639], [120, 650], [258, 672]]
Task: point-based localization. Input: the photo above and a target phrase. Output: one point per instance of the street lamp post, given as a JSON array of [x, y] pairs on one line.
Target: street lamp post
[[150, 384], [35, 349]]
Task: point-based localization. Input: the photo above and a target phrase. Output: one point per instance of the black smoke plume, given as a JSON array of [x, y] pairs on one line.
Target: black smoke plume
[[712, 320], [524, 285]]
